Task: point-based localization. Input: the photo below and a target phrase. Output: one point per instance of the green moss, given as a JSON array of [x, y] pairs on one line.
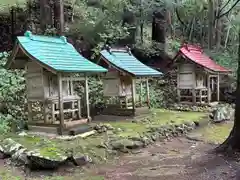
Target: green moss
[[158, 117], [215, 133], [129, 129], [51, 152], [163, 117]]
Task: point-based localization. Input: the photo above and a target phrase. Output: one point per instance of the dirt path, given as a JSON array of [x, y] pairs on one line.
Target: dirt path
[[180, 159]]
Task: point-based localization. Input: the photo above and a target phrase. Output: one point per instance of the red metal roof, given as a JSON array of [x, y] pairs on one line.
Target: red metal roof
[[196, 54]]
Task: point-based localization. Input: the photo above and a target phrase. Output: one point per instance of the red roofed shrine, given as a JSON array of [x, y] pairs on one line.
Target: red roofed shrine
[[198, 75]]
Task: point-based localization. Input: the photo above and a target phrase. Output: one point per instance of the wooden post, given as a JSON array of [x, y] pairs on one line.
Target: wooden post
[[73, 107], [179, 95], [60, 102], [45, 113], [53, 112], [87, 98], [30, 117], [218, 87], [209, 89], [194, 95], [133, 95], [200, 95], [141, 89], [148, 94], [71, 87], [79, 109], [126, 102], [178, 85]]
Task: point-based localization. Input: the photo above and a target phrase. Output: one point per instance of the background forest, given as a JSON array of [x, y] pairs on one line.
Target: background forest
[[154, 29]]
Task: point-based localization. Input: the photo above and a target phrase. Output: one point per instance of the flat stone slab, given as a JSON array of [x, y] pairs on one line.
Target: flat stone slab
[[194, 136]]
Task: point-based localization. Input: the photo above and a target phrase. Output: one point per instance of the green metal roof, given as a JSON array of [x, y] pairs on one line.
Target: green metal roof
[[127, 62], [57, 54]]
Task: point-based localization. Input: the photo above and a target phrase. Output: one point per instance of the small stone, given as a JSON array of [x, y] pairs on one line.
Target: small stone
[[82, 160], [196, 123], [22, 134], [2, 155], [119, 130]]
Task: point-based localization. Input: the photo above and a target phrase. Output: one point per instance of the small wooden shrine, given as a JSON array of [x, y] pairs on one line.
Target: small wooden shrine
[[124, 73], [198, 76], [51, 64]]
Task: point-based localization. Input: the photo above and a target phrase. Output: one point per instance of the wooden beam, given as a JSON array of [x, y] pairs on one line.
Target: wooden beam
[[60, 102], [148, 93], [73, 79], [133, 96], [87, 98]]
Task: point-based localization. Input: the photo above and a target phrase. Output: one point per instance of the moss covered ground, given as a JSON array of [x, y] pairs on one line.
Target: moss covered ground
[[93, 145], [214, 133], [158, 117]]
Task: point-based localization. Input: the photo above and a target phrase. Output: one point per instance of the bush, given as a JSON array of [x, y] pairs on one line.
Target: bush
[[12, 96]]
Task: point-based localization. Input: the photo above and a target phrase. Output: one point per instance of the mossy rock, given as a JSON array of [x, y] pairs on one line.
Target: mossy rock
[[49, 153], [123, 144], [9, 146], [46, 158]]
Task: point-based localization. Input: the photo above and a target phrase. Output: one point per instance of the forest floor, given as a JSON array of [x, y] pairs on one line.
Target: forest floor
[[179, 158]]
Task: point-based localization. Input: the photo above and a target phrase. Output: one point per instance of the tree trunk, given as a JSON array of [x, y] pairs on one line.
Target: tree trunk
[[218, 28], [210, 23], [233, 141], [59, 16], [45, 15], [141, 22], [159, 26]]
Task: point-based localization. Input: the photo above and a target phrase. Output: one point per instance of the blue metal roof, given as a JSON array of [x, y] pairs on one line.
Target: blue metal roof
[[57, 53], [127, 62]]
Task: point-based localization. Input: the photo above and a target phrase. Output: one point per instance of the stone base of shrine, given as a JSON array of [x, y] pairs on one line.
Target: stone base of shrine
[[54, 128], [118, 111]]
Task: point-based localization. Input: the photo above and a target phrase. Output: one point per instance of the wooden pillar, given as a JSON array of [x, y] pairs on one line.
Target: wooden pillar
[[53, 112], [79, 109], [141, 90], [87, 98], [179, 95], [71, 94], [45, 113], [178, 85], [133, 95], [218, 87], [60, 102], [208, 89], [194, 95], [71, 87], [200, 95], [148, 93], [30, 117]]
